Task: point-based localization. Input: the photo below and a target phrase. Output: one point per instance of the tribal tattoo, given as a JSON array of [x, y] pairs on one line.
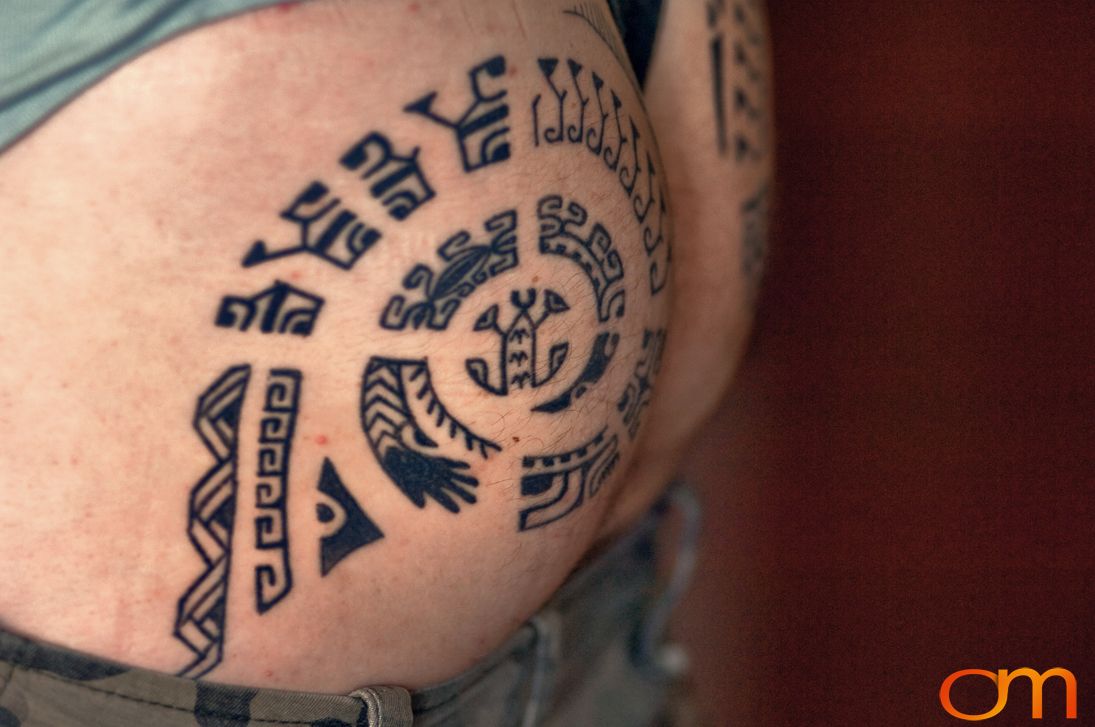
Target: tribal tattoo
[[327, 228], [736, 32], [391, 392], [200, 618], [281, 308], [613, 136], [519, 362], [604, 346], [558, 484], [561, 234], [395, 181], [465, 265], [636, 397], [346, 527], [482, 129], [273, 575]]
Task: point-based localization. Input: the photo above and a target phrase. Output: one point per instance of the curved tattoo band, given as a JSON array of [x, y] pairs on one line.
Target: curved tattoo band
[[558, 484], [604, 347]]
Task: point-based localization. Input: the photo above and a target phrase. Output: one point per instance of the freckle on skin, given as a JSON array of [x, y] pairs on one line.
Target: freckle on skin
[[516, 440]]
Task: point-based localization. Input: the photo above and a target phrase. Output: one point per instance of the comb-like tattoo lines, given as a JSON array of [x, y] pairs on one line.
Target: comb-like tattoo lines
[[613, 136], [736, 36], [405, 451]]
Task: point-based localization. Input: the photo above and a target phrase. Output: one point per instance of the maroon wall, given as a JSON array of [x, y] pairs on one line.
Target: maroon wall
[[902, 483]]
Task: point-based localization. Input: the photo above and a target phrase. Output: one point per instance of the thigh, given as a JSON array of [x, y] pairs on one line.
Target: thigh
[[709, 95], [332, 329]]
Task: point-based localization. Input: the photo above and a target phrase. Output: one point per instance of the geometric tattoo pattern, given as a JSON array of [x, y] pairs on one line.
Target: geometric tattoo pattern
[[465, 266], [199, 622], [346, 527], [281, 308], [273, 576], [560, 117], [396, 397], [327, 229], [481, 131], [560, 483], [636, 396], [742, 109], [396, 181], [561, 234], [518, 359], [604, 346]]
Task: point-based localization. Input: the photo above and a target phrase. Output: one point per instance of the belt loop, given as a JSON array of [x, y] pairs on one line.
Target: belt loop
[[670, 659], [385, 706], [548, 626]]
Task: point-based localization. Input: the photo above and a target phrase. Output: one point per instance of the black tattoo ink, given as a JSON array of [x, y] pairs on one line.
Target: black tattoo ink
[[518, 362], [273, 576], [481, 131], [560, 234], [466, 266], [750, 88], [328, 229], [281, 308], [199, 621], [399, 183], [754, 240], [619, 145], [719, 97], [406, 453], [605, 28], [636, 397], [604, 347], [561, 483], [346, 527]]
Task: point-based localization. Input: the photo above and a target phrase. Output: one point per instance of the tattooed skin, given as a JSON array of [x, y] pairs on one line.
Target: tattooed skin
[[482, 131], [346, 527], [528, 306], [281, 308], [739, 79], [556, 485], [274, 576], [579, 109], [201, 610]]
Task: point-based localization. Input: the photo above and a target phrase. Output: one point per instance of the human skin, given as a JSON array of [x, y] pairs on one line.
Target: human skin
[[129, 217]]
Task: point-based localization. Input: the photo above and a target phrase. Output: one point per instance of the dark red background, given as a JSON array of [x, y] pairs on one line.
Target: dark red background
[[901, 483]]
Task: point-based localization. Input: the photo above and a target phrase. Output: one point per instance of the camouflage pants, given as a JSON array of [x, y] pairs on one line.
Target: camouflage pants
[[592, 656]]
